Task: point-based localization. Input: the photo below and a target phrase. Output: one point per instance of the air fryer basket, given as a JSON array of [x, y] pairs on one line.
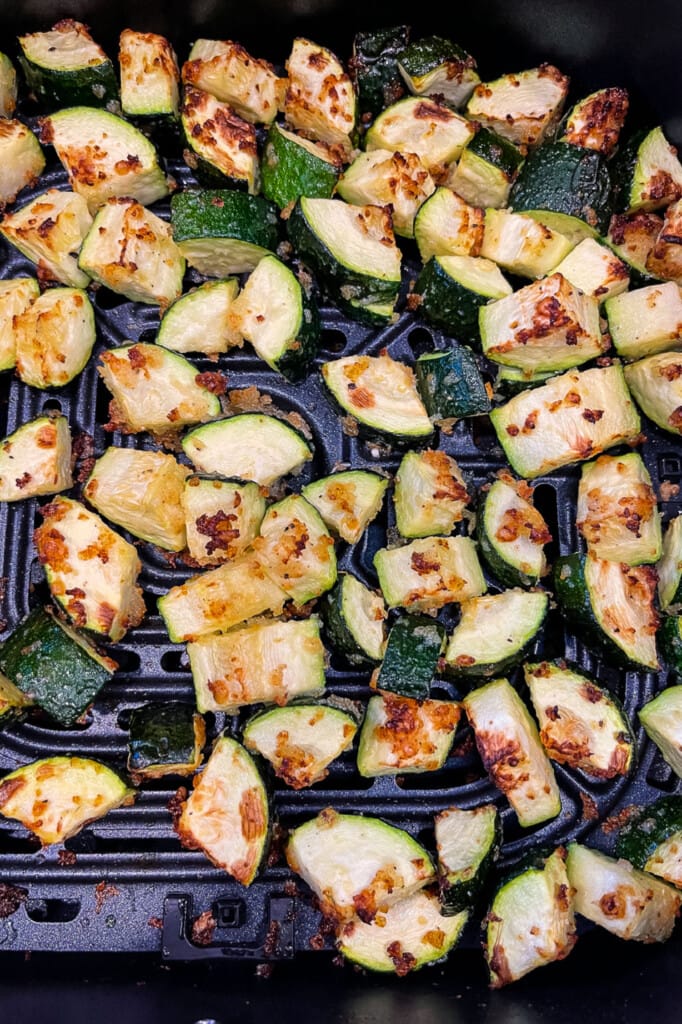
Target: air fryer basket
[[132, 887]]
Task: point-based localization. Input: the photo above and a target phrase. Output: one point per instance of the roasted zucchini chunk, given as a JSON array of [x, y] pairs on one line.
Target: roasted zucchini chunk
[[104, 156], [451, 385], [434, 66], [453, 289], [149, 75], [521, 245], [65, 67], [156, 390], [413, 648], [410, 934], [652, 840], [531, 921], [214, 601], [142, 492], [633, 237], [665, 259], [226, 814], [357, 865], [522, 107], [656, 386], [222, 232], [302, 740], [512, 533], [468, 844], [227, 71], [404, 735], [54, 337], [594, 270], [430, 494], [486, 170], [8, 86], [647, 173], [446, 225], [354, 618], [199, 321], [662, 721], [54, 666], [21, 159], [13, 703], [91, 570], [596, 121], [250, 446], [618, 897], [670, 643], [296, 550], [348, 501], [293, 166], [16, 295], [432, 130], [266, 662], [385, 177], [669, 568], [58, 796], [221, 517], [36, 459], [617, 511], [380, 392], [164, 739], [49, 230], [221, 146], [646, 321], [319, 99], [510, 748], [374, 68], [131, 251], [427, 574], [581, 723], [494, 632]]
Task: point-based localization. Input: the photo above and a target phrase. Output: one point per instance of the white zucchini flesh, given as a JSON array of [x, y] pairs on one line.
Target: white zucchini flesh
[[646, 321], [199, 321], [662, 721], [595, 270], [296, 550], [54, 337], [404, 735], [222, 517], [430, 573], [251, 446], [21, 159], [617, 511], [379, 392], [16, 295], [382, 177], [36, 459], [669, 568], [623, 602], [521, 245], [227, 71], [521, 107], [348, 501], [50, 230], [418, 125], [149, 74], [495, 626], [319, 98]]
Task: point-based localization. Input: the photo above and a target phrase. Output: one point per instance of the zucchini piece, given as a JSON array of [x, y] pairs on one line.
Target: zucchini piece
[[225, 69], [414, 125], [414, 646], [669, 568], [531, 921], [512, 533], [619, 898], [58, 796], [65, 67], [49, 230], [91, 570], [386, 177], [594, 270], [54, 337], [16, 295], [617, 512], [374, 67], [149, 75], [348, 501], [468, 844], [214, 601], [453, 289], [21, 159], [13, 702], [656, 386], [226, 814], [652, 840], [354, 619], [302, 740], [319, 98], [547, 325], [36, 459], [404, 735], [356, 864], [269, 662], [670, 643], [351, 248], [512, 754], [427, 574], [581, 723], [523, 107], [611, 605], [380, 393], [596, 121], [665, 259], [296, 550], [646, 321], [402, 939], [8, 86], [662, 721], [633, 238], [430, 494], [54, 666], [521, 245], [446, 225], [437, 67], [199, 321], [154, 389], [486, 170], [222, 517], [569, 419], [250, 446], [293, 166], [164, 739], [510, 380], [494, 632], [104, 156], [273, 312], [373, 314], [221, 232], [451, 385], [567, 180], [142, 492], [647, 174], [221, 147], [131, 251]]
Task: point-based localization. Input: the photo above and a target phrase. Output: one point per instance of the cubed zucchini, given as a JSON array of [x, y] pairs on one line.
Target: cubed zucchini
[[594, 269], [36, 459], [522, 107], [430, 494], [414, 646], [521, 245], [646, 321], [250, 446], [400, 734], [296, 550], [446, 225], [647, 173], [354, 618], [665, 259], [221, 517], [16, 295], [512, 533], [427, 574], [468, 844], [65, 66], [8, 86], [633, 237], [164, 739], [494, 633], [221, 147], [453, 289], [149, 75], [432, 130], [434, 66], [662, 721], [348, 501], [199, 321], [54, 337], [293, 166], [386, 177], [596, 121], [222, 232], [319, 98], [451, 385], [380, 392], [21, 159], [486, 170], [49, 230], [656, 386], [652, 839], [374, 67], [227, 71], [669, 568]]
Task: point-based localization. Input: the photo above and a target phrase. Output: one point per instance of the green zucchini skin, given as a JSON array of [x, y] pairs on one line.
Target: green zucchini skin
[[509, 574], [221, 213], [464, 889], [448, 303], [451, 384], [495, 150], [639, 839], [413, 648], [52, 665], [374, 67], [565, 179], [336, 627], [94, 86], [288, 171], [165, 739], [670, 642]]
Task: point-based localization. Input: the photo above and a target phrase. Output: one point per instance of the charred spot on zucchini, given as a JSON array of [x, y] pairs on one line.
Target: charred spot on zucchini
[[468, 844], [596, 121], [164, 739], [221, 146], [494, 632], [50, 230], [296, 550], [227, 71], [199, 321], [380, 392], [662, 721], [434, 66], [451, 384], [222, 517], [446, 225], [647, 174], [21, 159], [65, 66], [413, 648], [354, 618], [222, 232], [249, 446], [36, 459], [149, 75], [512, 533], [400, 734], [427, 574], [430, 129], [592, 268], [652, 840], [16, 295], [386, 177], [430, 494], [665, 259], [293, 166], [54, 337], [348, 501], [453, 289], [617, 511], [486, 170], [669, 567], [633, 238], [656, 386], [319, 99], [646, 321], [521, 244], [373, 67], [523, 107]]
